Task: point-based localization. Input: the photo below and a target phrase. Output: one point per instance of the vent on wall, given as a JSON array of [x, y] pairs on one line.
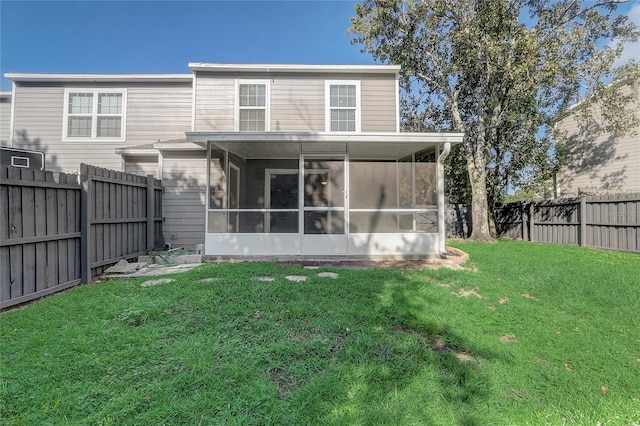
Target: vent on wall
[[19, 162], [22, 158]]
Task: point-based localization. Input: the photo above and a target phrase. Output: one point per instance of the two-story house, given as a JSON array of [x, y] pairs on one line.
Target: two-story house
[[596, 161], [255, 159]]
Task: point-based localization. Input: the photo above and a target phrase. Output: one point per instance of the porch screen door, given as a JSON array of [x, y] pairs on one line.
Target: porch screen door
[[324, 202]]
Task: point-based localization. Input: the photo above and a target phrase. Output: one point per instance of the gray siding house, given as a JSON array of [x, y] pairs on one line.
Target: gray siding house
[[606, 162], [255, 159], [5, 117]]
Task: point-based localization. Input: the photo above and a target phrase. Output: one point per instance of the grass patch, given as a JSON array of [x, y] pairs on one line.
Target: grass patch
[[539, 334]]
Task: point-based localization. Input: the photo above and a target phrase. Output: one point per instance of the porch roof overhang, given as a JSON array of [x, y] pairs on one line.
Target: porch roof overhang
[[370, 146], [146, 150]]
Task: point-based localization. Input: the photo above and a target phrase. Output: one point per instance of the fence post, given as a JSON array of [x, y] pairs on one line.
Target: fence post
[[150, 212], [523, 227], [531, 221], [85, 224], [583, 221]]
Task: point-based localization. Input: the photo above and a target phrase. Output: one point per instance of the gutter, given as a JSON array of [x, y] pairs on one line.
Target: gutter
[[442, 235]]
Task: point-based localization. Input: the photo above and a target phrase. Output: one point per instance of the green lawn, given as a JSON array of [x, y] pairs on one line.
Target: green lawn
[[528, 334]]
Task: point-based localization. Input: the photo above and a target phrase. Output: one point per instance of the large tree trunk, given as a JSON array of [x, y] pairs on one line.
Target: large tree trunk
[[477, 169], [479, 206]]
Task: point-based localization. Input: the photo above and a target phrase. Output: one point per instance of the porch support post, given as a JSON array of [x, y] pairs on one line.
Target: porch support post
[[446, 148]]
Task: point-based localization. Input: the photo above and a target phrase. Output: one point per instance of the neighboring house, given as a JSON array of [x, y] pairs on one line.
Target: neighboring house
[[596, 162], [256, 160]]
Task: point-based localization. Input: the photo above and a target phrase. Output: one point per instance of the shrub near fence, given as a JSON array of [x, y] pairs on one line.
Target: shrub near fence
[[54, 235]]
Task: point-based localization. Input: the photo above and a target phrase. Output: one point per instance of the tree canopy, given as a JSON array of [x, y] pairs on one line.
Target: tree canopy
[[501, 71]]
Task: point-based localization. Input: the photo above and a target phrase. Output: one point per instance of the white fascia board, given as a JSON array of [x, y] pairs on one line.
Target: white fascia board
[[137, 152], [179, 146], [323, 137], [301, 68], [5, 94], [99, 78]]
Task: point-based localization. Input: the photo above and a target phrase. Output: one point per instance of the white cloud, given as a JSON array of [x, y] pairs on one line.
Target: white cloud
[[631, 50]]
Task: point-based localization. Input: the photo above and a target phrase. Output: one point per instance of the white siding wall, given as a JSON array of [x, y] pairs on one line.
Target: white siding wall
[[606, 162], [5, 119], [184, 178], [297, 104], [158, 112], [214, 103], [154, 111], [297, 101], [142, 165], [379, 109]]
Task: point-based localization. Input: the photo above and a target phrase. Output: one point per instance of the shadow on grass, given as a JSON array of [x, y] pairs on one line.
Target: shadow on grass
[[411, 370]]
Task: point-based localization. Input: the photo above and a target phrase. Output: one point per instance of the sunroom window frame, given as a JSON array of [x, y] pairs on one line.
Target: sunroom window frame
[[266, 107], [329, 108], [94, 114]]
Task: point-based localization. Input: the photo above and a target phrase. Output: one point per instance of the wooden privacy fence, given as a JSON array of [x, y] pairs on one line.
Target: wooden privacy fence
[[458, 221], [606, 221], [56, 234]]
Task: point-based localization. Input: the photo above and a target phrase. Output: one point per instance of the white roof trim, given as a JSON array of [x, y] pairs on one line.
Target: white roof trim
[[5, 93], [323, 137], [301, 68], [137, 152], [178, 146], [98, 78]]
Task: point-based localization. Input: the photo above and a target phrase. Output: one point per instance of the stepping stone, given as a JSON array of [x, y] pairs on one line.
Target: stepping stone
[[296, 278], [124, 267], [156, 282], [328, 275], [265, 279], [209, 280]]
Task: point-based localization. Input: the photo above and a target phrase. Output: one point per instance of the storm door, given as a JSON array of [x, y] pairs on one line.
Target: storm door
[[324, 200], [281, 200]]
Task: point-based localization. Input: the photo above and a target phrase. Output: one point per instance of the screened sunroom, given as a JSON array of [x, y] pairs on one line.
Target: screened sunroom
[[292, 194]]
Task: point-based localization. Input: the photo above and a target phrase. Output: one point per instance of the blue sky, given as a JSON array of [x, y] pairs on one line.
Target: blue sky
[[163, 36]]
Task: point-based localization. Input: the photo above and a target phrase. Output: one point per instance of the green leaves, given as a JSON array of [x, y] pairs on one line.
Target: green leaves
[[501, 71]]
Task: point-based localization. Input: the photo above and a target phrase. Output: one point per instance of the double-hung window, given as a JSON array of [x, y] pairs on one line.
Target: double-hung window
[[252, 106], [342, 106], [94, 114]]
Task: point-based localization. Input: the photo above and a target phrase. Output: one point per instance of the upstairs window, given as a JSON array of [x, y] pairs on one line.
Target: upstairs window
[[253, 106], [343, 106], [94, 114]]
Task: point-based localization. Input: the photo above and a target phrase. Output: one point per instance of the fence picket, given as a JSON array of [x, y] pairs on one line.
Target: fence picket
[[608, 222], [51, 236], [28, 230]]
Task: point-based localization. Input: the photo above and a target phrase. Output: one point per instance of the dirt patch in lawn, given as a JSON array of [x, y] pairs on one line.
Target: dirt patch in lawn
[[439, 346], [453, 259], [509, 338], [466, 293]]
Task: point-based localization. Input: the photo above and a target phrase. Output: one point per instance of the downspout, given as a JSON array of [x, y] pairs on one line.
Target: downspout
[[12, 114], [441, 218]]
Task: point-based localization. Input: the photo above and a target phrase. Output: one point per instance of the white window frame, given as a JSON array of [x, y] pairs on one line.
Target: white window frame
[[267, 106], [94, 115], [327, 113]]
